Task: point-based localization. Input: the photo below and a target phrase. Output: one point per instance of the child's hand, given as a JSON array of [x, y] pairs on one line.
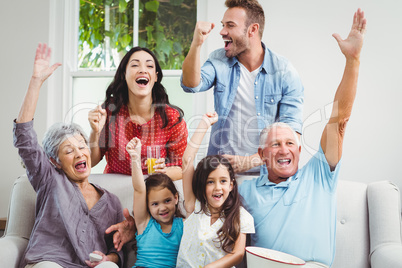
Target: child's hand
[[134, 149], [210, 118]]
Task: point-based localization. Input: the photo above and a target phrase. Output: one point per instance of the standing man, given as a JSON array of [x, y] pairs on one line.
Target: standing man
[[294, 209], [253, 86]]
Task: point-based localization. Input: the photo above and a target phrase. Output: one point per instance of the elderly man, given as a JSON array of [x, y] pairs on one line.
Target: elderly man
[[294, 209]]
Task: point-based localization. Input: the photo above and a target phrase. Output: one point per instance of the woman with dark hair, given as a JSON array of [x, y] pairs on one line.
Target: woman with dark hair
[[137, 105]]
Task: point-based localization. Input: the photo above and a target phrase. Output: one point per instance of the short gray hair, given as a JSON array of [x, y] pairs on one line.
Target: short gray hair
[[57, 134], [264, 133]]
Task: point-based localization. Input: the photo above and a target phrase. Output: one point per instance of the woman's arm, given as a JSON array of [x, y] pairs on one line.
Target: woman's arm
[[97, 120], [174, 149], [41, 72], [141, 215], [188, 159], [174, 172], [233, 258]]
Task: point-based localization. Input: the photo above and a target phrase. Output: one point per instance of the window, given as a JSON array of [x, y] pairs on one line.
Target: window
[[109, 28], [101, 32]]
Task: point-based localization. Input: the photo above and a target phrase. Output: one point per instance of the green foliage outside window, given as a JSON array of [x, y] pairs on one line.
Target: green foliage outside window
[[106, 31]]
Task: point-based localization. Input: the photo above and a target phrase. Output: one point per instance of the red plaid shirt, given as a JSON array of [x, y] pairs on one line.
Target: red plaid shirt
[[119, 130]]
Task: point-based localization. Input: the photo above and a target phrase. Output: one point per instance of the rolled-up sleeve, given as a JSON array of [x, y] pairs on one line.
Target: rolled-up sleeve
[[291, 104]]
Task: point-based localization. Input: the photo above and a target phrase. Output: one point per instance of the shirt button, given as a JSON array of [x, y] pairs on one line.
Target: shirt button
[[256, 97], [258, 114], [255, 83], [272, 100], [83, 231], [343, 221]]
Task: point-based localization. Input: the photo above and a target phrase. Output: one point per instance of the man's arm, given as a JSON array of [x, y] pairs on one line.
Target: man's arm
[[192, 63], [334, 131]]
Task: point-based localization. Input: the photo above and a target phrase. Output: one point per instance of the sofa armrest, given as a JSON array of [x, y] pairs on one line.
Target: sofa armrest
[[389, 256], [385, 225], [11, 250]]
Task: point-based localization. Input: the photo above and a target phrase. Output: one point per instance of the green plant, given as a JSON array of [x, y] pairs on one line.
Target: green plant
[[165, 27]]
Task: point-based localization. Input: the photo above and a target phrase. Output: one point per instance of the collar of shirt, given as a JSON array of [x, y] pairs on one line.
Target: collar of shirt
[[264, 181], [265, 66]]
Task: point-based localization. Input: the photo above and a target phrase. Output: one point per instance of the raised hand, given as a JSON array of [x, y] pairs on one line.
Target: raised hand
[[41, 64], [41, 72], [201, 32], [134, 149], [352, 45], [210, 118], [97, 118]]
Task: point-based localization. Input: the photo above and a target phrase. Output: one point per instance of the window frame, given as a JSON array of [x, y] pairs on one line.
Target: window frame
[[63, 38]]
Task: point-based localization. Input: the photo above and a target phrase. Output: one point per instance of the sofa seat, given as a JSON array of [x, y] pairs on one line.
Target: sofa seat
[[368, 221]]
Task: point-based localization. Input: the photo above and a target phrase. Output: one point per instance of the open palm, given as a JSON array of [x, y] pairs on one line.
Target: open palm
[[41, 65], [352, 45]]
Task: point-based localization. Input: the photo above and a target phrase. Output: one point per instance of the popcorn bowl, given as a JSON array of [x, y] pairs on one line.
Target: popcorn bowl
[[258, 257]]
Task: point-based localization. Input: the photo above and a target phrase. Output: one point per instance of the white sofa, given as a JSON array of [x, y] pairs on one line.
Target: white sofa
[[368, 221]]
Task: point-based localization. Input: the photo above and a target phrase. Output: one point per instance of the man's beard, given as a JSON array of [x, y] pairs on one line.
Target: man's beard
[[237, 48]]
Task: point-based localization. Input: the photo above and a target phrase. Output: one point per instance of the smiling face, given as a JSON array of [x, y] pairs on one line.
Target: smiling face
[[217, 189], [141, 74], [162, 204], [280, 154], [234, 32], [74, 158]]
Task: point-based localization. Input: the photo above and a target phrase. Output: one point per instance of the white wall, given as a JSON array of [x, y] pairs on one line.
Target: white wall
[[24, 24], [298, 29], [301, 31]]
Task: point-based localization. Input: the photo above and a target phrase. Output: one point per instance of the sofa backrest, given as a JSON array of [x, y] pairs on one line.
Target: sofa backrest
[[352, 228], [352, 249]]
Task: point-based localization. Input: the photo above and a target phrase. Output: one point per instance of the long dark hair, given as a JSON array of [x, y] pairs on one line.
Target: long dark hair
[[117, 91], [159, 180], [230, 209]]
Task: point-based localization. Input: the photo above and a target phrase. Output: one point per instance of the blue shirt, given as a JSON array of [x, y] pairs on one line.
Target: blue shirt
[[156, 248], [297, 216], [278, 92]]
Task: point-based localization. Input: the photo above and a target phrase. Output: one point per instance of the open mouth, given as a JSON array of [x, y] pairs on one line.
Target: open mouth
[[164, 214], [142, 81], [81, 166], [217, 196], [284, 162], [228, 42]]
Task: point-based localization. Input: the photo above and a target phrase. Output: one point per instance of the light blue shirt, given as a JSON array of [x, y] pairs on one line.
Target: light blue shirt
[[278, 92], [297, 216], [157, 249]]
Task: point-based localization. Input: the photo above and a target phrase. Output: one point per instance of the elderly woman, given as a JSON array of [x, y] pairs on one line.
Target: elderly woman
[[71, 213], [137, 105]]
